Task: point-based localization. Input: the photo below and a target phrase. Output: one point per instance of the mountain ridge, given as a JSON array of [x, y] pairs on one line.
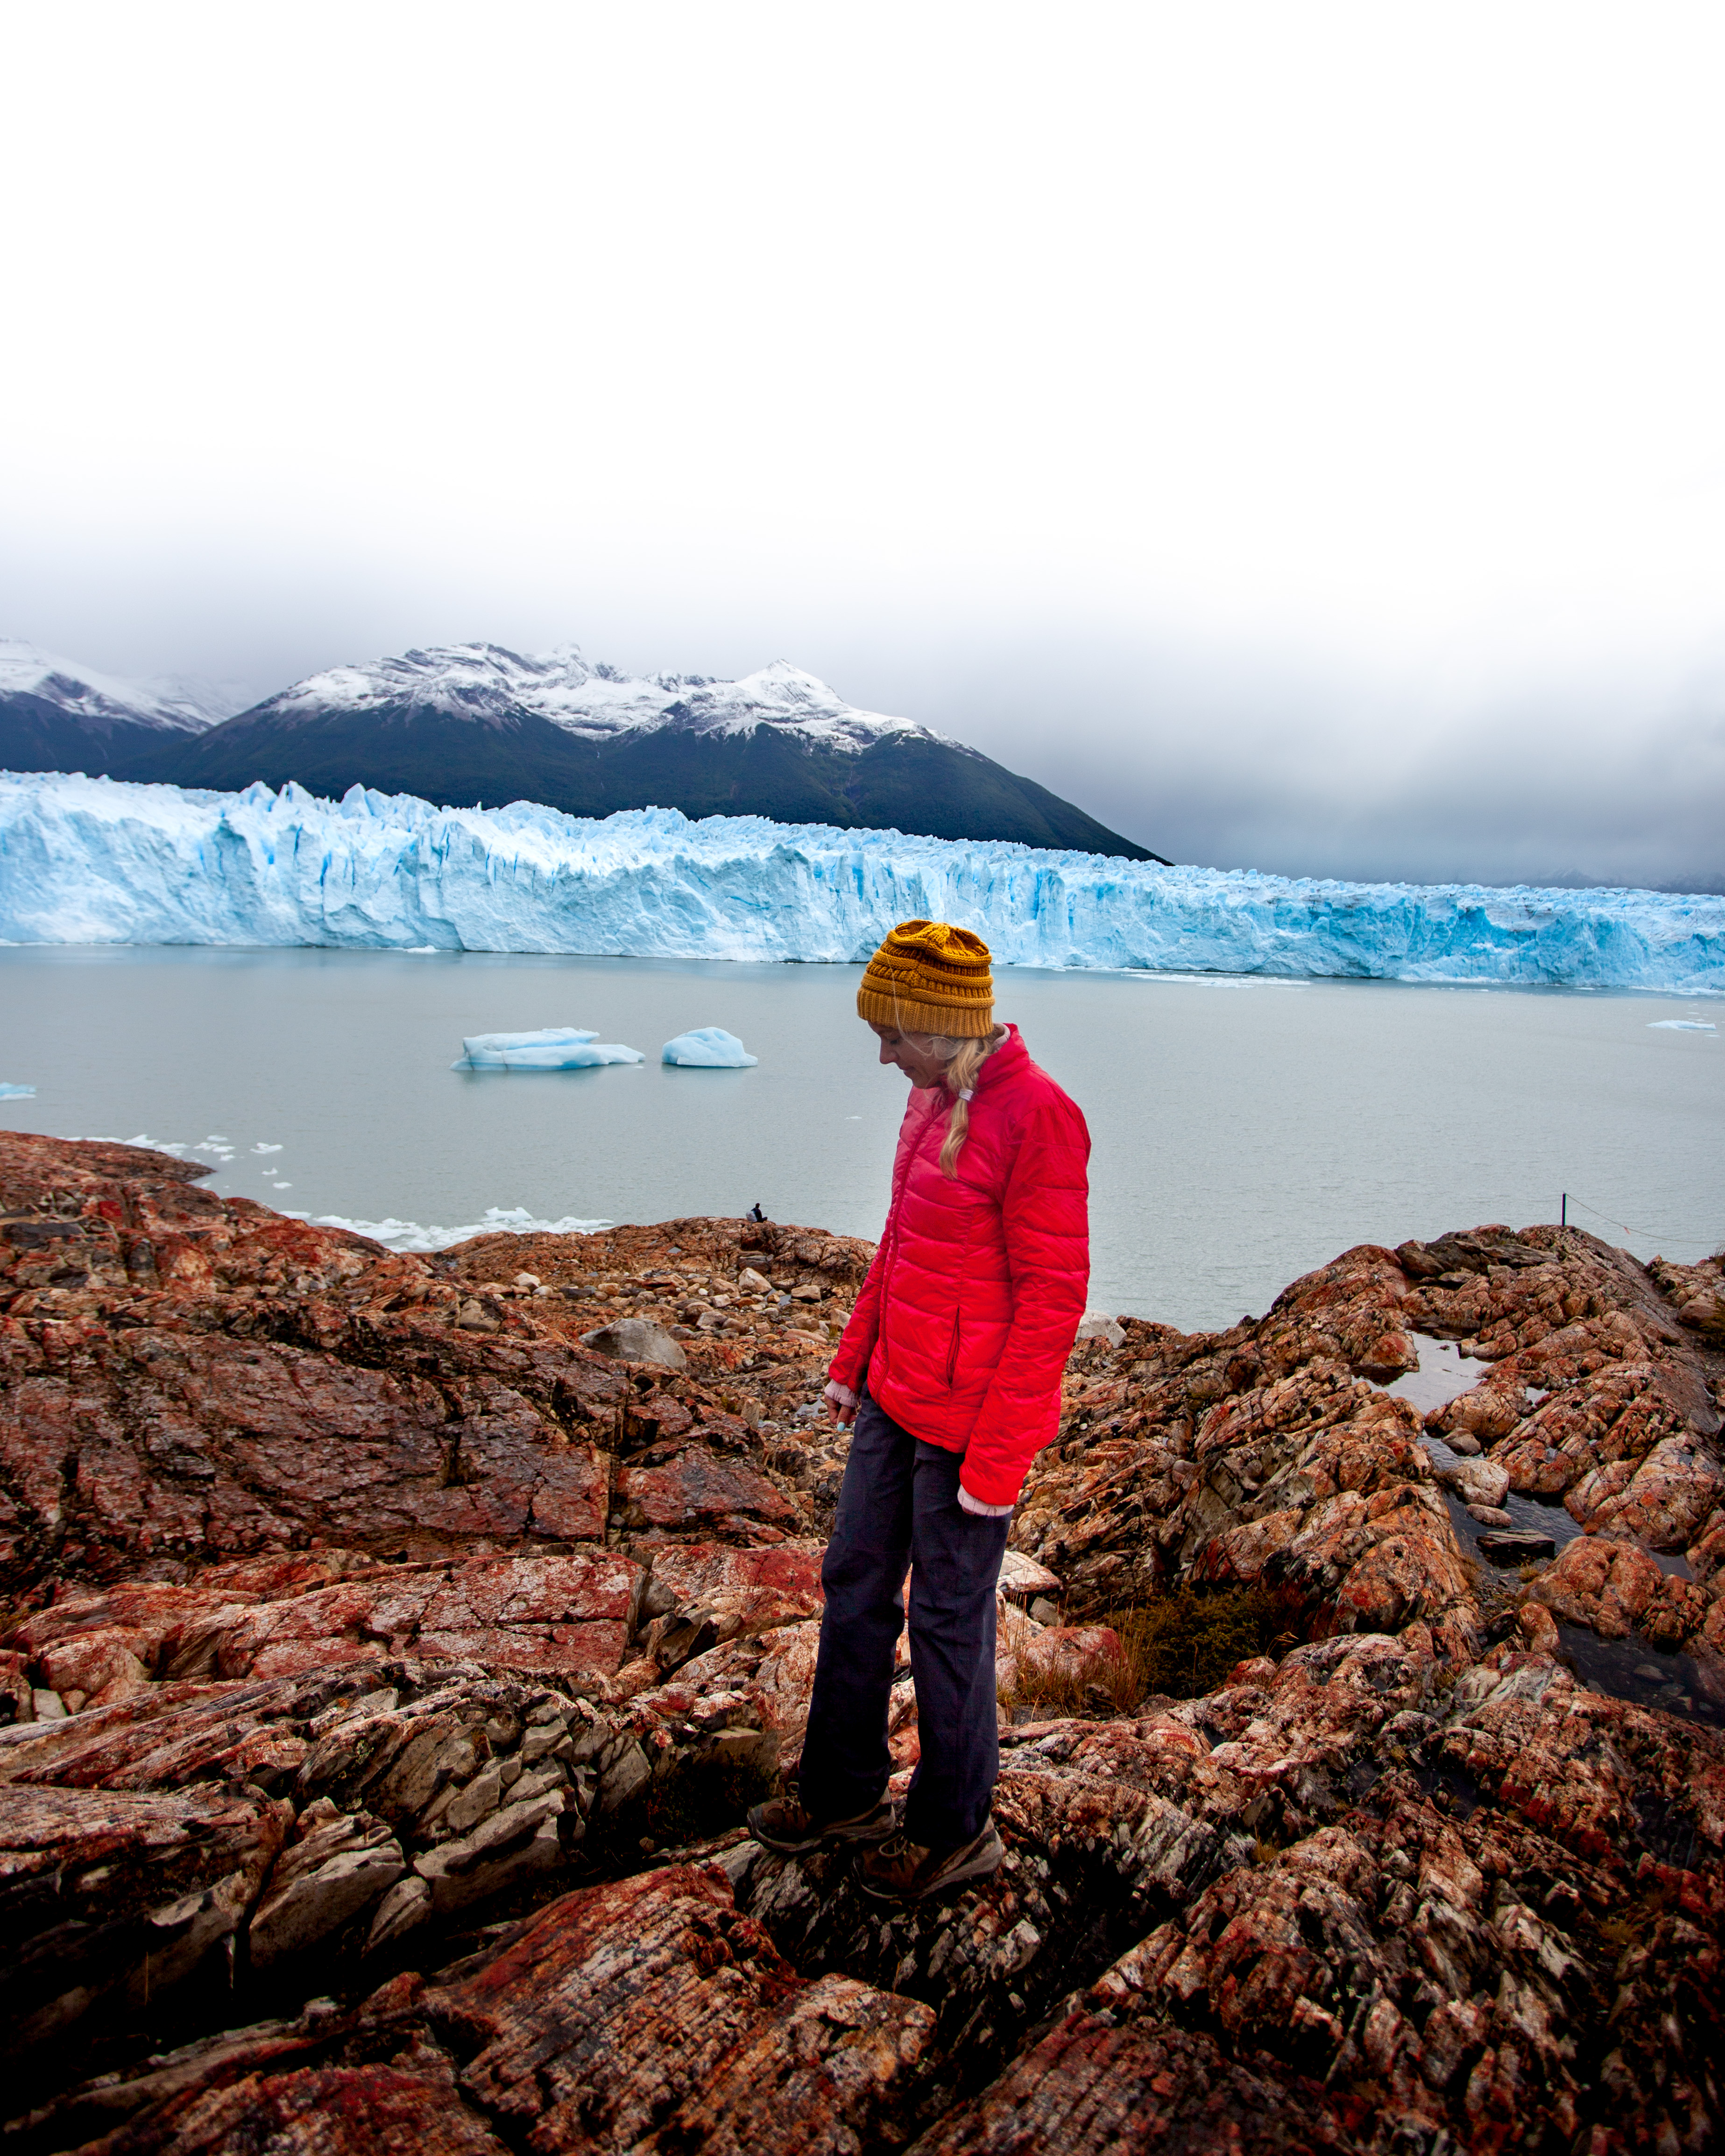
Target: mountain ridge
[[466, 724]]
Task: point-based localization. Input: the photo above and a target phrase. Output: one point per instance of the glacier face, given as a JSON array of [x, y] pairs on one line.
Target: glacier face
[[87, 860]]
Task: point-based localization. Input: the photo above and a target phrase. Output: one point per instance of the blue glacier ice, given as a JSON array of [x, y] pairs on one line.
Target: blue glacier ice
[[17, 1092], [89, 860], [708, 1048], [550, 1047]]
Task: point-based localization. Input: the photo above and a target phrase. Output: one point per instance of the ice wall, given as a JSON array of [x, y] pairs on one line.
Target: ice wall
[[87, 860]]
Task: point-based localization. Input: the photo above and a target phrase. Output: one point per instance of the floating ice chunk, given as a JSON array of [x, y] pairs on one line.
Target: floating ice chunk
[[707, 1048], [17, 1092], [1680, 1026], [482, 1047], [266, 1148], [552, 1048], [498, 1220]]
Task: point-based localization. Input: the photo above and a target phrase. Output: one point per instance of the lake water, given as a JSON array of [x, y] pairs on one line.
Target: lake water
[[1245, 1129]]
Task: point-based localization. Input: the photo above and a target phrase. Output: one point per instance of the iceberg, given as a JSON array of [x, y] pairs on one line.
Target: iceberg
[[552, 1048], [498, 1220], [95, 861], [28, 1092], [708, 1048]]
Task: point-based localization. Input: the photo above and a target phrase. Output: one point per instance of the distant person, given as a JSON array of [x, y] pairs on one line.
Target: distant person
[[949, 1375], [755, 1212]]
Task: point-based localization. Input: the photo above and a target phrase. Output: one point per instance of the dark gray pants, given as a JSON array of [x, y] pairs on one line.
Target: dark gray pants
[[898, 1508]]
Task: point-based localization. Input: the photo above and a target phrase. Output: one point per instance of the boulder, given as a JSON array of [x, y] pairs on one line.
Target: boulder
[[636, 1340], [1508, 1546]]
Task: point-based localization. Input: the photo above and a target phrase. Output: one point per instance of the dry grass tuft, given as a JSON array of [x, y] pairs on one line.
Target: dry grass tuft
[[1181, 1645]]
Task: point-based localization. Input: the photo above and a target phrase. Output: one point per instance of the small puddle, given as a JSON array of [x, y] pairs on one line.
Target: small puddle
[[1444, 1375], [1631, 1669]]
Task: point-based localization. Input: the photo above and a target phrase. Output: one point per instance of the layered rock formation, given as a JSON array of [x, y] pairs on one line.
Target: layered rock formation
[[388, 1659]]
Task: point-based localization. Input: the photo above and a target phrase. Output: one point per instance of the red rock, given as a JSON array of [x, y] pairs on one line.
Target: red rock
[[1093, 2089], [110, 1898], [252, 1448], [653, 2008], [742, 1590], [1605, 1585], [334, 2111], [1607, 1779], [1662, 1502], [570, 1615], [768, 1678], [696, 1489]]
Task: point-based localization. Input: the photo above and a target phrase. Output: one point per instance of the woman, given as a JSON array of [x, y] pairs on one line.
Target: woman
[[949, 1373]]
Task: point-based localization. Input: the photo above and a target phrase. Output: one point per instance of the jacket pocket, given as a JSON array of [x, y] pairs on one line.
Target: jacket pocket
[[952, 1352]]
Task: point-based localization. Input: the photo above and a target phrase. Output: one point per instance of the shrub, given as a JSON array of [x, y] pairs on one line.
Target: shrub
[[1181, 1644]]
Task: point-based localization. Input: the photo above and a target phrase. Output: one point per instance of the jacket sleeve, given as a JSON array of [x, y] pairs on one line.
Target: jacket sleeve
[[1046, 1215], [849, 1365]]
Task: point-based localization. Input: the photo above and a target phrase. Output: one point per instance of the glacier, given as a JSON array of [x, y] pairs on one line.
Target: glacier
[[94, 860]]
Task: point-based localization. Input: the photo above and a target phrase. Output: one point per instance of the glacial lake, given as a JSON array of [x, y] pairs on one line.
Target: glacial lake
[[1245, 1129]]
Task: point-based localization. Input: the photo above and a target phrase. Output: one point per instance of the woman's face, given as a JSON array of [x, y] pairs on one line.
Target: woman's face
[[918, 1065]]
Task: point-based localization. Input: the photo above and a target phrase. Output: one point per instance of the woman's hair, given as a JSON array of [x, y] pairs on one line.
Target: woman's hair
[[964, 1058]]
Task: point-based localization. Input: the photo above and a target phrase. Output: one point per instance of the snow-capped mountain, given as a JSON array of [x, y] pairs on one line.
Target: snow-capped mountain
[[63, 685], [467, 723], [56, 715], [488, 683]]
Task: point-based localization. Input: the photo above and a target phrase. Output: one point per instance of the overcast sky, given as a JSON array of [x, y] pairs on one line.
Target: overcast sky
[[1294, 433]]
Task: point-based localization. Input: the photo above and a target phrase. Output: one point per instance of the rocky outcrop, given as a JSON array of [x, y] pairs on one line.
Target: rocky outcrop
[[649, 2015], [1265, 1454], [386, 1658]]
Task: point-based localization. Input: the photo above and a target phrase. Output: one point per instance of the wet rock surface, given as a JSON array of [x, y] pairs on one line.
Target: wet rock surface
[[386, 1668]]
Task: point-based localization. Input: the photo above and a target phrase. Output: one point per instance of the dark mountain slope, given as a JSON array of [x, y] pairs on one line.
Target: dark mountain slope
[[913, 782], [36, 734]]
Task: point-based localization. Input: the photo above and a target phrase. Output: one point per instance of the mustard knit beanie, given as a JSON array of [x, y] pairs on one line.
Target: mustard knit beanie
[[929, 977]]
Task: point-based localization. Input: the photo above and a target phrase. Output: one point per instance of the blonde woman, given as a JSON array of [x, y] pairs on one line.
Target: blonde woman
[[949, 1375]]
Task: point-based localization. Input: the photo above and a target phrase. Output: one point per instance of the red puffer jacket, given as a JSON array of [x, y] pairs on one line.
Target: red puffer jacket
[[965, 1321]]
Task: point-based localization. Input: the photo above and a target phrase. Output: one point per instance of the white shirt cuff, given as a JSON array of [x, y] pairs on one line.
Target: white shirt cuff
[[976, 1505]]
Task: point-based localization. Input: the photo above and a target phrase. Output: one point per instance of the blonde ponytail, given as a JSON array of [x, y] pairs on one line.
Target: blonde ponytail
[[966, 1060], [963, 1055]]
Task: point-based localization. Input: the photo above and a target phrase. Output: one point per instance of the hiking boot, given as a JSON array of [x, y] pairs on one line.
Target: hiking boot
[[902, 1870], [784, 1825]]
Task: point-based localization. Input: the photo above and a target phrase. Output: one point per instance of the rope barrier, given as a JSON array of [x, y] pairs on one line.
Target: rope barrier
[[1657, 1233]]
